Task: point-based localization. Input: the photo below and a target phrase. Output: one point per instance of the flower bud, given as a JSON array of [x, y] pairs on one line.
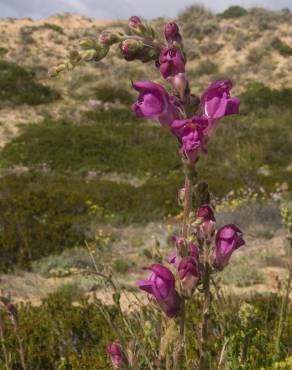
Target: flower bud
[[94, 54], [88, 54], [134, 22], [109, 38], [189, 274], [171, 33], [139, 28], [206, 226], [131, 49], [87, 43], [74, 56], [55, 71], [118, 357]]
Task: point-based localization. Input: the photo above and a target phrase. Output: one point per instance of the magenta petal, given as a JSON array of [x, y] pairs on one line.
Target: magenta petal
[[145, 285], [172, 257], [162, 271], [232, 106], [194, 250], [151, 105], [177, 127]]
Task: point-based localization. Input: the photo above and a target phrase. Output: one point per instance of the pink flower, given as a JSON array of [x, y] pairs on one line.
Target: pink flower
[[161, 285], [228, 239], [216, 102], [154, 102]]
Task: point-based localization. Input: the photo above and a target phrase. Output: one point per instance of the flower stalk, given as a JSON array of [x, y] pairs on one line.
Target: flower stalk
[[204, 360], [193, 122]]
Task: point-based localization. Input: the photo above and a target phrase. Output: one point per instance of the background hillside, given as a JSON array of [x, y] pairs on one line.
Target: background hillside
[[249, 46]]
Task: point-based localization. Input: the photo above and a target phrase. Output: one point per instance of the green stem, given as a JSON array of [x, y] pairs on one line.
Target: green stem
[[190, 172], [204, 360], [5, 353], [154, 43], [284, 306]]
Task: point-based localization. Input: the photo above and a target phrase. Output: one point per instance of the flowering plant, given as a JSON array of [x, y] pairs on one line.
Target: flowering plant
[[200, 251]]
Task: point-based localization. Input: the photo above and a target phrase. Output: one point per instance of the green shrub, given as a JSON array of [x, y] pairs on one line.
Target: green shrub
[[18, 86], [121, 266], [205, 67], [3, 51], [59, 332], [107, 93], [234, 11], [284, 49], [54, 27], [260, 97], [200, 30], [102, 146], [39, 217], [56, 210]]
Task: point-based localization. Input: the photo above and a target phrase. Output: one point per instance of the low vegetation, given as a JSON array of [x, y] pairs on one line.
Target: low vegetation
[[59, 335], [19, 86]]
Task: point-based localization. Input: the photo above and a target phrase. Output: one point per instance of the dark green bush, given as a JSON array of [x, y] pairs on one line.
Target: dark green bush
[[44, 214], [199, 30], [284, 49], [3, 51], [234, 11], [38, 217], [102, 146], [205, 67], [54, 27], [108, 93], [18, 86], [258, 98]]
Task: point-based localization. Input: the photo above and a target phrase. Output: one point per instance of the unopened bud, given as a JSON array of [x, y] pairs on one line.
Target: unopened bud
[[74, 56], [88, 54], [55, 71], [109, 38], [131, 48], [87, 43], [135, 22], [94, 54], [139, 28], [171, 33], [179, 82], [102, 51]]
